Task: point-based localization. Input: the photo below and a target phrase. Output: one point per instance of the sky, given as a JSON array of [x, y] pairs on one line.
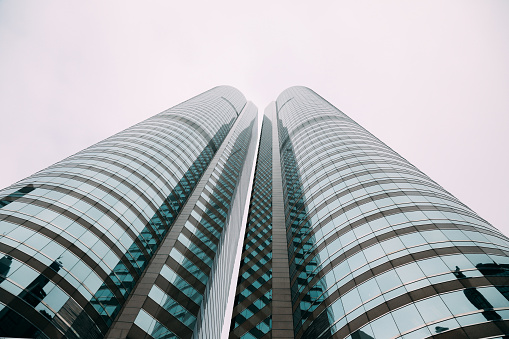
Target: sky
[[429, 78]]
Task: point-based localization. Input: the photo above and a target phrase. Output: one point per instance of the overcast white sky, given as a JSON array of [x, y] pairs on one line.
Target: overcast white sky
[[429, 78]]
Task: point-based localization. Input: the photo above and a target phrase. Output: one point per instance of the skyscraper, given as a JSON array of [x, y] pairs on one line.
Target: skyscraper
[[203, 222]]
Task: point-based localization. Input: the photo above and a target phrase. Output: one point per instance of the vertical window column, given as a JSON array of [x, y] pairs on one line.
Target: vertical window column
[[282, 317]]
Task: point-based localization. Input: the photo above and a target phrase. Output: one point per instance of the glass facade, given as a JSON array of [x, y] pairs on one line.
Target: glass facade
[[377, 249], [212, 322], [335, 234], [252, 314], [184, 282], [77, 236]]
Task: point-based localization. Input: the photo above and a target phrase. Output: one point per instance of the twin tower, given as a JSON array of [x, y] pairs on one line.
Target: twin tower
[[206, 221]]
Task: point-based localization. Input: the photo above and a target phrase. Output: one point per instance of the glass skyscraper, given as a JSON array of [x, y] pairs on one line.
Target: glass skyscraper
[[207, 221]]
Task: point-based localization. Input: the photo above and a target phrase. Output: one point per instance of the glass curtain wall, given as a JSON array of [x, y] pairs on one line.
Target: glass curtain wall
[[76, 236], [252, 313], [134, 236], [174, 301], [377, 249]]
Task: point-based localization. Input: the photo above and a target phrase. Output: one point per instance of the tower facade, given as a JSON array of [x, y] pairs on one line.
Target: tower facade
[[78, 236], [376, 248], [373, 247], [204, 222]]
